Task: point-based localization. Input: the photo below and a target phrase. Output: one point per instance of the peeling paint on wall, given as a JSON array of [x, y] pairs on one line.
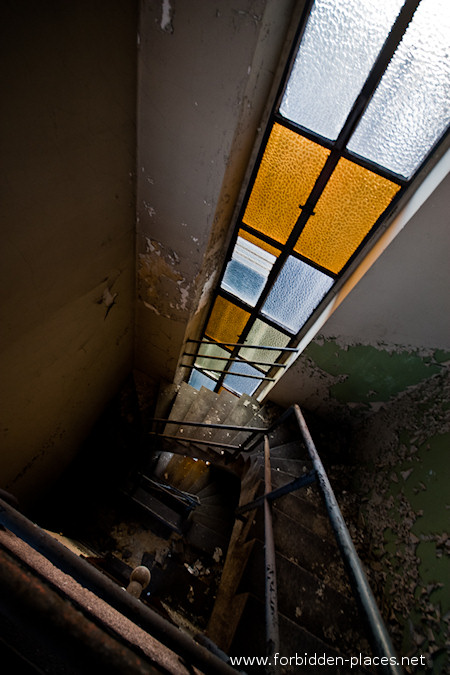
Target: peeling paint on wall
[[167, 13], [162, 287], [402, 475]]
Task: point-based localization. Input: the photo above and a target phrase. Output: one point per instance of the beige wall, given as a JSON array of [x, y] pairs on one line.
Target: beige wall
[[67, 226], [206, 70]]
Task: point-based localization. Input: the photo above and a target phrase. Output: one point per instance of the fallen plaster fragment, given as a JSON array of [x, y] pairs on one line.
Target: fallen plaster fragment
[[166, 17]]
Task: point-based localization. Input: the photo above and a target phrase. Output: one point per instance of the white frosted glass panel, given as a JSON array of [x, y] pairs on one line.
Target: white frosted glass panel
[[246, 273], [263, 334], [242, 385], [410, 109], [296, 293], [339, 46]]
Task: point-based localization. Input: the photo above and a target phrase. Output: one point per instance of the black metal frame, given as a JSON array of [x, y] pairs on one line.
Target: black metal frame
[[337, 151]]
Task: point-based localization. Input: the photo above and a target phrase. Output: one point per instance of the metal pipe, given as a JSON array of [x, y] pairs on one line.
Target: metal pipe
[[272, 630], [107, 590], [203, 369], [234, 360], [243, 345], [292, 486], [380, 640], [197, 441], [228, 427]]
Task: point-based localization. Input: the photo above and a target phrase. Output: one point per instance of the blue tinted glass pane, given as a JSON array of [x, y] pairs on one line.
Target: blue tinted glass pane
[[296, 293], [198, 380], [410, 109], [243, 282], [242, 385], [339, 46], [247, 271]]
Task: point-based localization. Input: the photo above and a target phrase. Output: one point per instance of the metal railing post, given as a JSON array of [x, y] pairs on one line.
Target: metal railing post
[[272, 631], [381, 642]]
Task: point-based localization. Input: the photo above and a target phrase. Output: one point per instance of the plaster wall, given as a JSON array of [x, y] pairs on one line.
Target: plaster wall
[[205, 72], [67, 130]]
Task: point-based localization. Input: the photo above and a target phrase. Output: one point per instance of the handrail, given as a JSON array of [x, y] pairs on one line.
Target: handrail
[[235, 360], [272, 629], [379, 637], [86, 575]]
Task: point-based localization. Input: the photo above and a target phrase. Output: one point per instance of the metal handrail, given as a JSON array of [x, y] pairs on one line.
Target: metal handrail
[[271, 595], [89, 577]]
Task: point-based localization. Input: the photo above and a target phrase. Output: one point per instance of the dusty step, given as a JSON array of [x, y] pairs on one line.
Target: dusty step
[[311, 603], [217, 413], [239, 416], [296, 506], [295, 641], [185, 398], [296, 467], [155, 508], [259, 420], [298, 543], [209, 490], [206, 539], [291, 450], [221, 523], [204, 400]]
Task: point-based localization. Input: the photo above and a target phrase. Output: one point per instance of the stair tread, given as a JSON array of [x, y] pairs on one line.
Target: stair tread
[[294, 640], [158, 509], [203, 401], [217, 413], [183, 401], [306, 600], [239, 415], [295, 467], [206, 539]]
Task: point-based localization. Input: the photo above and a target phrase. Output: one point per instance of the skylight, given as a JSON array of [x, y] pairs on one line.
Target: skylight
[[365, 101]]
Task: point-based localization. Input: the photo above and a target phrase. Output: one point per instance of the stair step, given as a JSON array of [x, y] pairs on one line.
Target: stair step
[[209, 490], [292, 450], [258, 420], [311, 492], [304, 599], [185, 397], [295, 467], [302, 546], [219, 523], [294, 641], [301, 510], [197, 411], [164, 514], [206, 539], [239, 416], [217, 413]]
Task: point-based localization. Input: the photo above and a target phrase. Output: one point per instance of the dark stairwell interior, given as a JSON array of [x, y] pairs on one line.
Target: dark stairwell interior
[[83, 351]]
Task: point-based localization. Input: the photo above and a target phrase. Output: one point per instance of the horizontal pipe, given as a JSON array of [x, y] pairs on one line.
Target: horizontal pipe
[[244, 346], [381, 642], [292, 486], [236, 360], [86, 575], [203, 369]]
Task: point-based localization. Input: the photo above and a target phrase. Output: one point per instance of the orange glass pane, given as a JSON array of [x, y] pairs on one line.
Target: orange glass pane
[[259, 242], [287, 173], [351, 203], [227, 321]]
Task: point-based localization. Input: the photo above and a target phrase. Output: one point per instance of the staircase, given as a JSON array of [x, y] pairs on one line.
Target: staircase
[[317, 614]]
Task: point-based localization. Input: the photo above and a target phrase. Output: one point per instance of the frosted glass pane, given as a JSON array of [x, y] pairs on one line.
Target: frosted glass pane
[[259, 242], [227, 321], [242, 385], [296, 293], [247, 271], [263, 334], [212, 350], [410, 109], [351, 203], [199, 380], [287, 173], [339, 46]]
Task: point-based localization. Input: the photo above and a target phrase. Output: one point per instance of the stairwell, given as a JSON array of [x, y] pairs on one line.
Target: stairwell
[[317, 613]]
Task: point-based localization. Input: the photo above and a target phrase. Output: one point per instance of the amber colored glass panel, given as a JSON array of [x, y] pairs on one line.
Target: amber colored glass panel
[[227, 321], [351, 203], [287, 173], [259, 242]]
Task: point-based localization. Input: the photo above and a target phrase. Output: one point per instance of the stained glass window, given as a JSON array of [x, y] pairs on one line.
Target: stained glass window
[[227, 321], [286, 176], [349, 185], [351, 203]]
